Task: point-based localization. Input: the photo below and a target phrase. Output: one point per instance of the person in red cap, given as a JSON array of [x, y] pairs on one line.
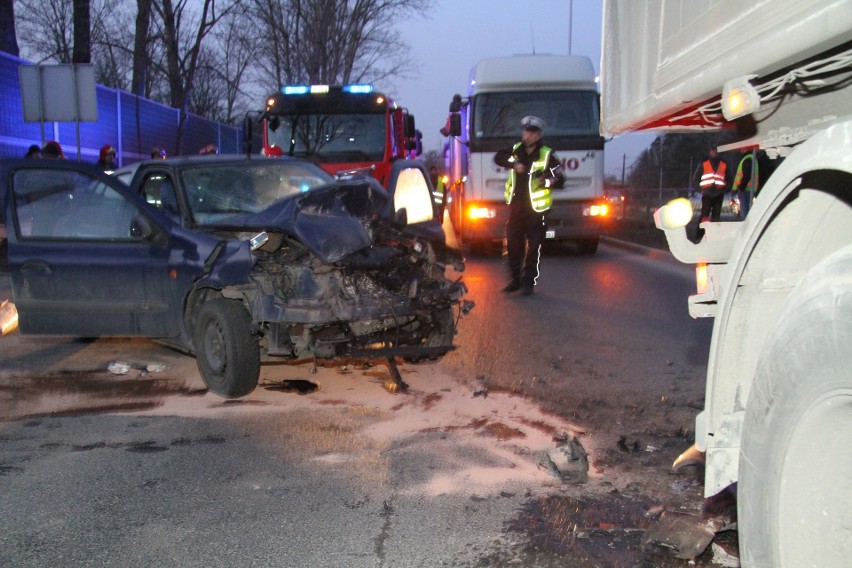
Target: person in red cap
[[106, 161], [52, 151]]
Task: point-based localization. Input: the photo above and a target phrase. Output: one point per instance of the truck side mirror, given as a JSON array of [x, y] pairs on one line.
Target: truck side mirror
[[455, 124], [247, 133]]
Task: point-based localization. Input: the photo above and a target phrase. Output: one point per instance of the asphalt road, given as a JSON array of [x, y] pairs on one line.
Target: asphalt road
[[326, 467]]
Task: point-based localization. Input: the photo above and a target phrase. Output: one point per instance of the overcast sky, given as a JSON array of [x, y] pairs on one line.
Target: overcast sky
[[447, 42]]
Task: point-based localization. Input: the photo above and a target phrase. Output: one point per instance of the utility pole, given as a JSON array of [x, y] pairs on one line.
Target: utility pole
[[570, 23], [623, 164]]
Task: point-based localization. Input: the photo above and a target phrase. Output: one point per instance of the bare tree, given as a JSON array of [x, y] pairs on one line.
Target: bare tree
[[202, 56], [332, 41], [8, 37], [237, 48], [47, 27], [141, 38], [183, 35]]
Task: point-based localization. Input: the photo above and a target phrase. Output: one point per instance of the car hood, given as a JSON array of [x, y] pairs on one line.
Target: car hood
[[331, 221]]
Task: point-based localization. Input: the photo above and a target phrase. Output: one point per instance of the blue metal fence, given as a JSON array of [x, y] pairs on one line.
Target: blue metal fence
[[131, 124]]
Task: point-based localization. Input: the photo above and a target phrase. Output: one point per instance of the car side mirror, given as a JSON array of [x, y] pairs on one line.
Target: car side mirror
[[142, 229], [455, 124]]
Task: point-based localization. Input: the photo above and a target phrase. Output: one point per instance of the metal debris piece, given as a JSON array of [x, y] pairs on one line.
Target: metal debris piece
[[119, 368], [8, 317], [680, 535], [570, 460], [723, 558], [692, 456]]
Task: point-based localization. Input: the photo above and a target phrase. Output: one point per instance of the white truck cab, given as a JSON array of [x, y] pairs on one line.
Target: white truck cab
[[777, 420]]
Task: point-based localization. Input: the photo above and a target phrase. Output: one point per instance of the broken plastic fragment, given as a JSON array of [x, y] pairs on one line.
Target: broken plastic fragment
[[118, 368]]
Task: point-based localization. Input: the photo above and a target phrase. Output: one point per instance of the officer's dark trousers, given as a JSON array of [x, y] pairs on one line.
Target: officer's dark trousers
[[524, 235]]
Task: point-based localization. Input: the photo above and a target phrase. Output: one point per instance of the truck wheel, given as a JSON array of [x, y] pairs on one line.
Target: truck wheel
[[588, 246], [226, 350], [795, 479]]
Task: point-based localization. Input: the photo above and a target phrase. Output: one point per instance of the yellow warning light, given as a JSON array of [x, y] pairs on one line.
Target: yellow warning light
[[739, 98], [701, 277]]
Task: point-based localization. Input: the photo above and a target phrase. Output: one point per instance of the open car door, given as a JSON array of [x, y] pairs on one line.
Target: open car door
[[86, 256]]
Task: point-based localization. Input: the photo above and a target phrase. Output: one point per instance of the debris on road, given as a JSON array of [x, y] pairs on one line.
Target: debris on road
[[723, 558], [119, 368], [8, 317], [680, 535], [569, 459]]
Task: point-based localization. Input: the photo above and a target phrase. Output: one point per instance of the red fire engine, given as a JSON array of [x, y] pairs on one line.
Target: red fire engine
[[348, 128]]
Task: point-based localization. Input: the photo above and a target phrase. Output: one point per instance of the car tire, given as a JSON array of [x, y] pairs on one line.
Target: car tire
[[445, 329], [794, 485], [226, 349]]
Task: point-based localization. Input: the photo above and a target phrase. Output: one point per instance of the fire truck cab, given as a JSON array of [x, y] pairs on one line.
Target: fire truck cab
[[344, 129]]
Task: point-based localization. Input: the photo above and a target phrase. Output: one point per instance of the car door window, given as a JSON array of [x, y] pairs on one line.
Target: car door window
[[412, 193], [159, 191], [70, 205]]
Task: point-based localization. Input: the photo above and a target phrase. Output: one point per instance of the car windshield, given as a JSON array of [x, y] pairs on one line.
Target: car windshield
[[221, 193]]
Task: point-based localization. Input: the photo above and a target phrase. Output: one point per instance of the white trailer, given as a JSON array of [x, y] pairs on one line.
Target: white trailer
[[777, 420], [561, 89]]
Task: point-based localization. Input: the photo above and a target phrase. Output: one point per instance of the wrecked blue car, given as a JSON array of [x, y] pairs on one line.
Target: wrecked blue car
[[233, 259]]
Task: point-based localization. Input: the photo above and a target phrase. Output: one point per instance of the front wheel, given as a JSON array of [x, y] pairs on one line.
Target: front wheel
[[795, 482], [226, 350]]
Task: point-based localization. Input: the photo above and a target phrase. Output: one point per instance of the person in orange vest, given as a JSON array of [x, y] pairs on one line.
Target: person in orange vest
[[714, 184]]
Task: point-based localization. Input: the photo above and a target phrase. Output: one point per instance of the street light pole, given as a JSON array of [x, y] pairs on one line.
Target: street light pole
[[570, 23]]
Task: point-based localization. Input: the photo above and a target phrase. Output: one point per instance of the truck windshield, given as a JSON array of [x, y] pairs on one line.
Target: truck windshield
[[332, 137], [567, 113]]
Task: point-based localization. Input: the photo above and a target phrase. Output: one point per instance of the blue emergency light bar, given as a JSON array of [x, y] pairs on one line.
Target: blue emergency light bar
[[358, 89]]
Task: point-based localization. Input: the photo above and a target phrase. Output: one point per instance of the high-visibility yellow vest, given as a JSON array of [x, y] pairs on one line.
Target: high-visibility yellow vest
[[541, 197], [752, 183]]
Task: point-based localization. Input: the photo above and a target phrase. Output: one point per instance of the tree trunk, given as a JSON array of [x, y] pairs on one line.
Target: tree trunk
[[82, 32], [8, 39], [140, 48]]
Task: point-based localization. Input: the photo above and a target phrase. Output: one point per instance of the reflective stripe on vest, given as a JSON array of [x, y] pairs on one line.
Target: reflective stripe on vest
[[713, 177], [541, 197]]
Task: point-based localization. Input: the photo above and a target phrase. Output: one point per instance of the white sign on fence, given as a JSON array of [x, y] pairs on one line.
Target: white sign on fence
[[58, 93]]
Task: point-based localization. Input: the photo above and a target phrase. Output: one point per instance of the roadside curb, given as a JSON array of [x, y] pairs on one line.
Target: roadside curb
[[650, 252]]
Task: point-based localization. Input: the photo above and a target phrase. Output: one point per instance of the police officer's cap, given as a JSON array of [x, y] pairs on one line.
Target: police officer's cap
[[532, 123]]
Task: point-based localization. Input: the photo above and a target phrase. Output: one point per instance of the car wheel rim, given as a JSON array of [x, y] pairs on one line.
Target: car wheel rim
[[214, 347]]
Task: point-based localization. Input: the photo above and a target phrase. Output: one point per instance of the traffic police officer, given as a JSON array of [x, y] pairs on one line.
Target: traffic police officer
[[534, 171]]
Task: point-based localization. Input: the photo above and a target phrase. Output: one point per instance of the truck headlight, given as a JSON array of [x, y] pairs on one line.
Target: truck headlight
[[674, 214]]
